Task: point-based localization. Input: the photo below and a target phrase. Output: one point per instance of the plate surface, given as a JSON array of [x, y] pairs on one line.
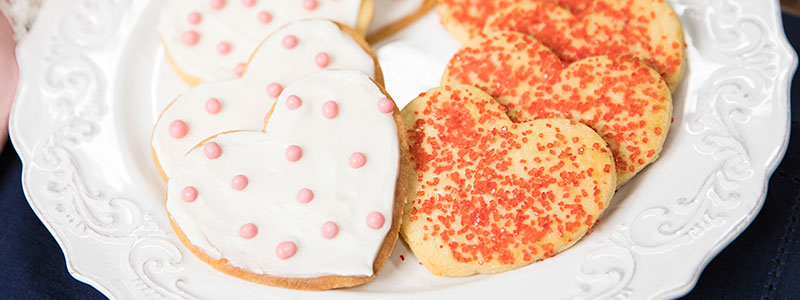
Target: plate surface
[[93, 79]]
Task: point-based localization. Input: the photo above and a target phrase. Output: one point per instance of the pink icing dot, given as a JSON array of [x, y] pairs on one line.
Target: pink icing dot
[[264, 17], [189, 194], [178, 129], [305, 196], [248, 3], [294, 153], [385, 106], [375, 220], [212, 150], [217, 4], [322, 59], [248, 231], [239, 69], [194, 18], [285, 250], [224, 48], [293, 102], [357, 160], [330, 109], [191, 37], [329, 230], [289, 42], [213, 106], [274, 90], [239, 182], [310, 4]]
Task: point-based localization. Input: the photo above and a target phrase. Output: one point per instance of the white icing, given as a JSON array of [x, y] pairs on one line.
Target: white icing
[[388, 12], [238, 25], [342, 194], [245, 102]]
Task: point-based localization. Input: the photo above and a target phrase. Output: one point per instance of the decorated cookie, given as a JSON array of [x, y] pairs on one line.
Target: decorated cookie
[[296, 50], [625, 101], [393, 15], [314, 202], [487, 195], [466, 18], [577, 29], [210, 39]]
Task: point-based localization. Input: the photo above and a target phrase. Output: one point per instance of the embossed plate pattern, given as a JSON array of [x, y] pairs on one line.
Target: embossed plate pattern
[[93, 79]]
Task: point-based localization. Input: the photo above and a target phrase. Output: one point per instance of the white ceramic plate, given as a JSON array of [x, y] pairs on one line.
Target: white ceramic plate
[[93, 78]]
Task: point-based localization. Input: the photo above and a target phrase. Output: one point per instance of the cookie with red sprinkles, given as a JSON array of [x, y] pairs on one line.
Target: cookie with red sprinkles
[[487, 195], [466, 18], [624, 100], [577, 29]]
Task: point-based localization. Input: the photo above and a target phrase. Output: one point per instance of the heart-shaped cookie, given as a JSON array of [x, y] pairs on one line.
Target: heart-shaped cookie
[[487, 195], [210, 39], [298, 49], [625, 101], [314, 202], [577, 29]]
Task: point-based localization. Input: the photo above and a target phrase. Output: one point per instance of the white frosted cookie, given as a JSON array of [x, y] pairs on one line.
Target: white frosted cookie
[[210, 39], [314, 202], [296, 50]]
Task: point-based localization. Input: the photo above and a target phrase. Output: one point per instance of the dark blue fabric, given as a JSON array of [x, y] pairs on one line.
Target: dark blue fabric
[[763, 263], [31, 263]]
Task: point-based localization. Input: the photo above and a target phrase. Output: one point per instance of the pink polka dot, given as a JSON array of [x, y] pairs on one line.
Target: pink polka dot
[[239, 69], [189, 194], [375, 220], [289, 42], [213, 106], [224, 48], [385, 106], [248, 3], [264, 17], [239, 182], [305, 196], [178, 129], [194, 18], [322, 59], [248, 231], [274, 90], [294, 153], [212, 150], [191, 37], [330, 109], [329, 230], [293, 102], [357, 160], [217, 4], [310, 4], [285, 250]]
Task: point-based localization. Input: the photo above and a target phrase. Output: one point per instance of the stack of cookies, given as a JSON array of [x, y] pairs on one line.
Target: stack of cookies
[[287, 151], [546, 110], [288, 164]]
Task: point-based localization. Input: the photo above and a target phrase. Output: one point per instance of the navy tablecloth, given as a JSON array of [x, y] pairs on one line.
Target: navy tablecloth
[[763, 263]]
